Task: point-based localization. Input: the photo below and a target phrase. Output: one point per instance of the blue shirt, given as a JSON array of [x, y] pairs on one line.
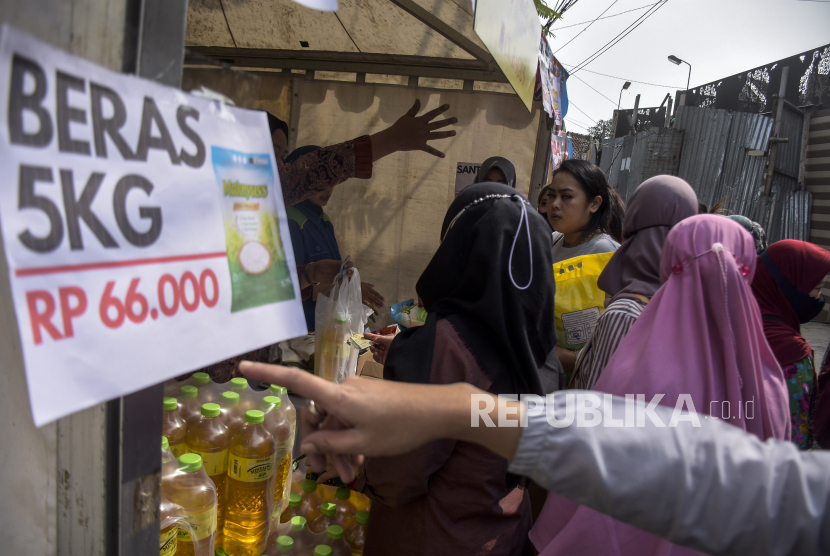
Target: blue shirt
[[312, 236]]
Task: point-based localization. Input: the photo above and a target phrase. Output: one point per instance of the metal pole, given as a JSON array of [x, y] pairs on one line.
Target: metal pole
[[689, 78], [776, 128]]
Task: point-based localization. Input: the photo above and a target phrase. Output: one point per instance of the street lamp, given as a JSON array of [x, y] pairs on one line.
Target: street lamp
[[625, 86], [677, 61]]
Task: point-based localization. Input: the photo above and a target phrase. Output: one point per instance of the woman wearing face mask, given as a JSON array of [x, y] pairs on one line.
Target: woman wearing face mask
[[788, 286], [587, 218]]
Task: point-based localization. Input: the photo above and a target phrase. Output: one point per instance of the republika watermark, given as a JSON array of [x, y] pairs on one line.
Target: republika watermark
[[593, 409]]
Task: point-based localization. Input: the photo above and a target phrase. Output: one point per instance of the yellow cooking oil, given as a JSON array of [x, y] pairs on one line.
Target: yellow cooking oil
[[280, 429], [250, 485], [173, 427], [192, 490], [209, 438]]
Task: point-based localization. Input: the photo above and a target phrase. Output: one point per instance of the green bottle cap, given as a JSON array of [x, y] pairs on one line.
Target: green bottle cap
[[190, 462], [272, 402], [340, 319], [298, 523], [210, 410], [200, 378], [220, 552], [285, 543], [230, 398], [239, 383], [343, 493], [362, 518], [189, 392], [328, 508], [309, 486], [278, 390], [322, 550], [170, 404], [334, 532], [295, 500], [165, 444], [254, 416]]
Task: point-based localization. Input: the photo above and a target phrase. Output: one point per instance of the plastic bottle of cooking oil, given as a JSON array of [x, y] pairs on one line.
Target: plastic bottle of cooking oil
[[250, 487], [304, 540], [247, 397], [169, 531], [166, 454], [209, 391], [356, 535], [334, 539], [209, 438], [287, 407], [285, 546], [192, 490], [295, 502], [332, 357], [189, 407], [345, 509], [173, 427], [232, 415], [322, 550], [326, 518], [280, 429], [311, 500]]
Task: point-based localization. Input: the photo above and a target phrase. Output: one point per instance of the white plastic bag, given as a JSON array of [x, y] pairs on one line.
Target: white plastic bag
[[337, 317]]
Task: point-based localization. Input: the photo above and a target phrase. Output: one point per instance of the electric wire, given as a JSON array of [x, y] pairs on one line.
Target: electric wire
[[624, 33], [589, 26]]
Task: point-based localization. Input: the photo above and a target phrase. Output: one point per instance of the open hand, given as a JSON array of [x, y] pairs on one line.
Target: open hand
[[412, 133], [371, 297]]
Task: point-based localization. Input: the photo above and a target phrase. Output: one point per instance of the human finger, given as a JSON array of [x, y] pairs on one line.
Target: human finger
[[441, 123], [434, 152], [427, 116], [440, 135], [344, 467], [305, 384], [414, 110], [343, 441]]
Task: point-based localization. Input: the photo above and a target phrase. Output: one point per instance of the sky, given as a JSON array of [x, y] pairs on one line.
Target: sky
[[718, 38]]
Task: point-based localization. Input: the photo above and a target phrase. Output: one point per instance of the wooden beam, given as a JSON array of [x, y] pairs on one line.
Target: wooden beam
[[353, 62], [443, 28]]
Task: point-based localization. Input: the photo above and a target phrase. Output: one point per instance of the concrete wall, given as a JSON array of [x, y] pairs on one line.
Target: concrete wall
[[33, 511], [390, 224]]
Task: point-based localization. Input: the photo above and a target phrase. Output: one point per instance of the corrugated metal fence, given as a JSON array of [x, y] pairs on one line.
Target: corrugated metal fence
[[714, 160]]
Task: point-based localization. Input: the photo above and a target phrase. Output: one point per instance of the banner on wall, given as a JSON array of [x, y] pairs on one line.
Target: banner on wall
[[144, 229], [510, 30], [552, 76], [465, 175]]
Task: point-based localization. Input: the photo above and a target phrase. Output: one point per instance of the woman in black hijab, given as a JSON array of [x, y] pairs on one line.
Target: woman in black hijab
[[489, 292], [497, 170]]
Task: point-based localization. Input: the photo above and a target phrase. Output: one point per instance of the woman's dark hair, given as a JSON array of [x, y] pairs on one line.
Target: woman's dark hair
[[542, 193], [611, 214], [275, 123]]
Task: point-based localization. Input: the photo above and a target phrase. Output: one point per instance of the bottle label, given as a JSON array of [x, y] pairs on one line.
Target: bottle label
[[168, 542], [341, 351], [178, 449], [250, 470], [216, 463], [198, 527]]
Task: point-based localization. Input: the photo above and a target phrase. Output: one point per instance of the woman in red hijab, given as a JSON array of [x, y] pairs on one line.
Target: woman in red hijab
[[787, 285]]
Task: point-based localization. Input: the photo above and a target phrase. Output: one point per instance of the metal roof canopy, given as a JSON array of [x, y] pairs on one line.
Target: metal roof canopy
[[420, 38]]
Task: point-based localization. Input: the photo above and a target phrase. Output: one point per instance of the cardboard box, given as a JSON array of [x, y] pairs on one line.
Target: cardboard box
[[367, 367]]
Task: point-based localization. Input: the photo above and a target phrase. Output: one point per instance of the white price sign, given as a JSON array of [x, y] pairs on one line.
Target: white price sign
[[144, 229]]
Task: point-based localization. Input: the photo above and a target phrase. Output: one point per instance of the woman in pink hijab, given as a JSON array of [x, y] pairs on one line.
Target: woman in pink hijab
[[701, 335]]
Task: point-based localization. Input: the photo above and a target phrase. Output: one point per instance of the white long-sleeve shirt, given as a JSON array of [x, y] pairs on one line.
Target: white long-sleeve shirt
[[713, 488]]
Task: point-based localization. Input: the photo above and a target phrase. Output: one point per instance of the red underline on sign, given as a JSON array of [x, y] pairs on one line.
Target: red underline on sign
[[39, 271]]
